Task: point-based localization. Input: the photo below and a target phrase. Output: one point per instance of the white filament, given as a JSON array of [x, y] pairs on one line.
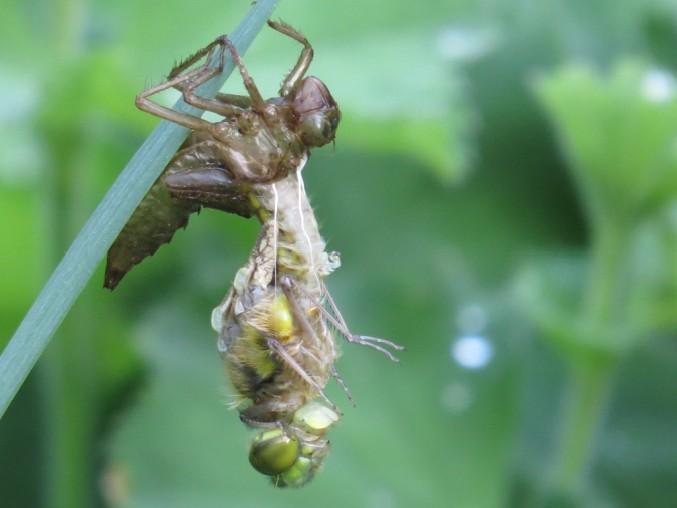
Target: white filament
[[302, 193], [275, 206]]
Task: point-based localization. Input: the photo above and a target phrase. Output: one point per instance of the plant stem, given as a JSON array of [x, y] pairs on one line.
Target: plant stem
[[69, 384], [67, 373], [592, 373], [91, 244], [588, 390], [609, 254]]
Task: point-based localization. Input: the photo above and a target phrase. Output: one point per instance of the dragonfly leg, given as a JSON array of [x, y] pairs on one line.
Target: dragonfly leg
[[287, 284], [241, 101], [223, 104], [214, 105], [288, 359], [340, 324], [301, 67], [339, 379], [297, 313], [144, 103], [257, 102], [196, 57], [337, 321]]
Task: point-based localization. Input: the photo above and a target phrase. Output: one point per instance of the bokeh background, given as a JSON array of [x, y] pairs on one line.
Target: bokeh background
[[502, 191]]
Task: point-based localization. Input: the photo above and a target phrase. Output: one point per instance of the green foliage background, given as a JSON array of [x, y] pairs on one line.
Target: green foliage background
[[479, 143]]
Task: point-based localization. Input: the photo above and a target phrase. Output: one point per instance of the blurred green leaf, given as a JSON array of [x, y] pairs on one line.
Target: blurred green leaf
[[659, 24], [19, 280], [619, 134]]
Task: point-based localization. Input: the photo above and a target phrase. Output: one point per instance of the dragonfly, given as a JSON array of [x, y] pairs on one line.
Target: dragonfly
[[278, 322]]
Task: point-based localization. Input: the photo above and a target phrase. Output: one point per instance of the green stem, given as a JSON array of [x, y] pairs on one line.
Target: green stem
[[68, 19], [69, 398], [91, 244], [588, 390], [609, 254], [592, 372], [67, 373]]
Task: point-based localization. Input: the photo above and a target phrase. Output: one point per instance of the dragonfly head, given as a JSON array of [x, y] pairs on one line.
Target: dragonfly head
[[291, 455], [318, 113], [273, 451]]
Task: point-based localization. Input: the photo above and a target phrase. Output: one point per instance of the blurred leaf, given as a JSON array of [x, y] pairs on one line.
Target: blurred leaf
[[550, 294], [429, 141], [18, 257], [619, 134], [660, 29]]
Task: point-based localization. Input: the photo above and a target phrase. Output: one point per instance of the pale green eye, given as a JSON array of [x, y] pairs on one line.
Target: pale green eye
[[273, 452], [315, 418], [296, 476]]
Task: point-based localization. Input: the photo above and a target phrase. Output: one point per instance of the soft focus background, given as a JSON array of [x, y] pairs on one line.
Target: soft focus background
[[503, 193]]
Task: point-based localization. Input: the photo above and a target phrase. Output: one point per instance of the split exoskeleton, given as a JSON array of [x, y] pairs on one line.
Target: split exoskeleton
[[276, 325]]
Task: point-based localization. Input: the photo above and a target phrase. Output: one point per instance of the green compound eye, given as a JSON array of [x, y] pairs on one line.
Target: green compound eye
[[273, 452], [296, 476]]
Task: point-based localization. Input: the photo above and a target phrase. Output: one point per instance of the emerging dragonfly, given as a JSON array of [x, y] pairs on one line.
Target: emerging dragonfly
[[277, 322]]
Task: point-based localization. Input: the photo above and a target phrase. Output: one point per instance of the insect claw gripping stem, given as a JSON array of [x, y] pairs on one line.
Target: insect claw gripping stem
[[184, 64]]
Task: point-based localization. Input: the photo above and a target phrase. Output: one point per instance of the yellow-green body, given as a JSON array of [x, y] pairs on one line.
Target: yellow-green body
[[256, 310]]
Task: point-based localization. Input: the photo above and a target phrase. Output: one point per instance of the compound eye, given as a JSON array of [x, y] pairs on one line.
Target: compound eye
[[273, 452], [318, 128], [298, 475], [315, 418]]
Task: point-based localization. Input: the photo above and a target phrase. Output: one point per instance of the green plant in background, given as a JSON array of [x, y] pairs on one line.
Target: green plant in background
[[417, 256], [619, 136]]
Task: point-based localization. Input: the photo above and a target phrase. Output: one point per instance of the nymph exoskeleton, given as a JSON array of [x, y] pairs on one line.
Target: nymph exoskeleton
[[275, 333]]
